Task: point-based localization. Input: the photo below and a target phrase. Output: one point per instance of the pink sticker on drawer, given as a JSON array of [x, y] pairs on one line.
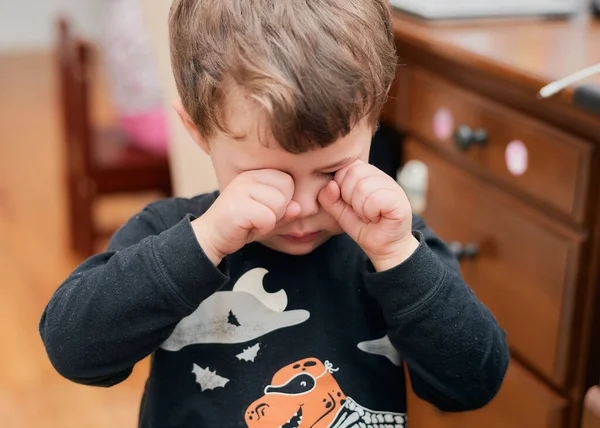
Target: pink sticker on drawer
[[443, 124], [517, 157]]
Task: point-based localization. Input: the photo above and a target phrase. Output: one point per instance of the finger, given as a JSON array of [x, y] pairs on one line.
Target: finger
[[331, 201], [278, 179], [259, 220], [382, 203], [291, 212], [341, 174], [355, 173], [362, 192], [329, 197], [269, 196]]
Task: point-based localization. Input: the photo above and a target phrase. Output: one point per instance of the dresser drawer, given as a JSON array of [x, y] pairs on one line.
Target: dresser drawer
[[525, 270], [529, 156], [522, 402]]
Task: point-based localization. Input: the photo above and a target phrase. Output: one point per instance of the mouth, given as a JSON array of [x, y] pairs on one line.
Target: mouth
[[301, 238], [294, 422]]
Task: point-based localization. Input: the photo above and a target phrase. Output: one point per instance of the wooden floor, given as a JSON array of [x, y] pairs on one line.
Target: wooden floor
[[34, 258]]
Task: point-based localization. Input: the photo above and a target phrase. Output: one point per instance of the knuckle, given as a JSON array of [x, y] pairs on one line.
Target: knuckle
[[351, 172], [377, 202], [287, 179], [359, 168], [281, 203], [269, 220], [362, 186], [260, 216], [375, 199], [288, 183]]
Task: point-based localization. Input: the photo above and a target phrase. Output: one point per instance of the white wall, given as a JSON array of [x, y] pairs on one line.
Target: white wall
[[29, 24], [191, 169]]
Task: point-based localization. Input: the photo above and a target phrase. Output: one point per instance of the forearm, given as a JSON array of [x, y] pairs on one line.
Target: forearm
[[119, 306], [455, 351]]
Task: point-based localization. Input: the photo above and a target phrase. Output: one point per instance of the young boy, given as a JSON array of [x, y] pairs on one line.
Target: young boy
[[296, 294]]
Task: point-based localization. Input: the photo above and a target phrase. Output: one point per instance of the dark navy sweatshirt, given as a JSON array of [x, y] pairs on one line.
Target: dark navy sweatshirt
[[266, 339]]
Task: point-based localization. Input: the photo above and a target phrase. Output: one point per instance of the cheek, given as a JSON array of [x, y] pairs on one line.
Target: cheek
[[223, 156], [364, 156], [224, 172], [224, 179]]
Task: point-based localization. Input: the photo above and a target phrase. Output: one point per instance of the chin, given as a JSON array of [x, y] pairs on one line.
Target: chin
[[294, 249]]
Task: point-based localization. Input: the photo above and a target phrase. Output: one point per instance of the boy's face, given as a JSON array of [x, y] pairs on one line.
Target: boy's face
[[311, 171]]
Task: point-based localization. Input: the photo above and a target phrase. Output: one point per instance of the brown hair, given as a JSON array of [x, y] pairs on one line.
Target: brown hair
[[317, 67]]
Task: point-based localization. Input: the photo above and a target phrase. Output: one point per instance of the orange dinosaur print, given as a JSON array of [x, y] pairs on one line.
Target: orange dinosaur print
[[302, 394], [305, 394]]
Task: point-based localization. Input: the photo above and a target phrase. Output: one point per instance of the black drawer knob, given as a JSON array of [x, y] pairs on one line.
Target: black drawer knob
[[464, 251], [465, 137]]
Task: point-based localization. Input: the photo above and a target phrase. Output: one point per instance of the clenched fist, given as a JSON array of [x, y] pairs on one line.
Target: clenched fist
[[374, 211], [247, 210]]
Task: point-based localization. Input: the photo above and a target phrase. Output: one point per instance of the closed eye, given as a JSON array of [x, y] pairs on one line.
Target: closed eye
[[328, 175]]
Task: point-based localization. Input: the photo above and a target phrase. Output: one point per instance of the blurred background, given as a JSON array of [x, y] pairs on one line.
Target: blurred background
[[36, 249], [29, 25], [510, 178]]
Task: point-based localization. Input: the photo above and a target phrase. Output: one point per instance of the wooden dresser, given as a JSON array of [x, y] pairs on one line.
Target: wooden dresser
[[513, 180]]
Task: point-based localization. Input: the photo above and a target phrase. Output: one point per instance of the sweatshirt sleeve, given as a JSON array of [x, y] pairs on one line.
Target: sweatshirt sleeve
[[455, 351], [118, 306]]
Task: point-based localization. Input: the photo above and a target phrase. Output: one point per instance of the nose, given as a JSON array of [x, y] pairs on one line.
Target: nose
[[256, 414], [306, 196]]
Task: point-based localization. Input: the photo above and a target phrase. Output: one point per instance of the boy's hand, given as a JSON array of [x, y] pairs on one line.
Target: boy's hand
[[249, 208], [374, 211]]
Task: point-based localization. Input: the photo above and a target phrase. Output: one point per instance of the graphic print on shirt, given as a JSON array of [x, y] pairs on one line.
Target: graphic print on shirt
[[249, 354], [306, 394], [382, 347], [239, 316], [208, 379]]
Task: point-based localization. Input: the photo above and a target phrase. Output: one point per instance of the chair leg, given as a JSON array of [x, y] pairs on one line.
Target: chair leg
[[73, 212], [168, 190], [87, 229], [81, 220]]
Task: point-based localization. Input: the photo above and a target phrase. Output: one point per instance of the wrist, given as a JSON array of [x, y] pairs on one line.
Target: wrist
[[203, 232], [396, 256]]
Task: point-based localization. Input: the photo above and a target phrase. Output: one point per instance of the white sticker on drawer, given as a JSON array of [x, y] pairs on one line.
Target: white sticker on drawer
[[443, 123], [413, 177], [517, 157]]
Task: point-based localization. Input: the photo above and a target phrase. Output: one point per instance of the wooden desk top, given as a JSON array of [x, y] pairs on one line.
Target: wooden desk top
[[519, 55]]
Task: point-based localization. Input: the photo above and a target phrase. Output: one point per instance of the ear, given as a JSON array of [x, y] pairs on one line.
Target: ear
[[190, 126]]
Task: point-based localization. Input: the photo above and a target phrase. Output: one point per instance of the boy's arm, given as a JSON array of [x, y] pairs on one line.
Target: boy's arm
[[455, 350], [119, 306]]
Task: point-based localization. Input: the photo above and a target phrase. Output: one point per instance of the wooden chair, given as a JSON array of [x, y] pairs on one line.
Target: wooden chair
[[98, 161]]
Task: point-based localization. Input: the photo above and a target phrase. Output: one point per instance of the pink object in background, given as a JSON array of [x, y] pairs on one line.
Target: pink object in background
[[443, 124], [134, 79], [517, 158], [147, 130]]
